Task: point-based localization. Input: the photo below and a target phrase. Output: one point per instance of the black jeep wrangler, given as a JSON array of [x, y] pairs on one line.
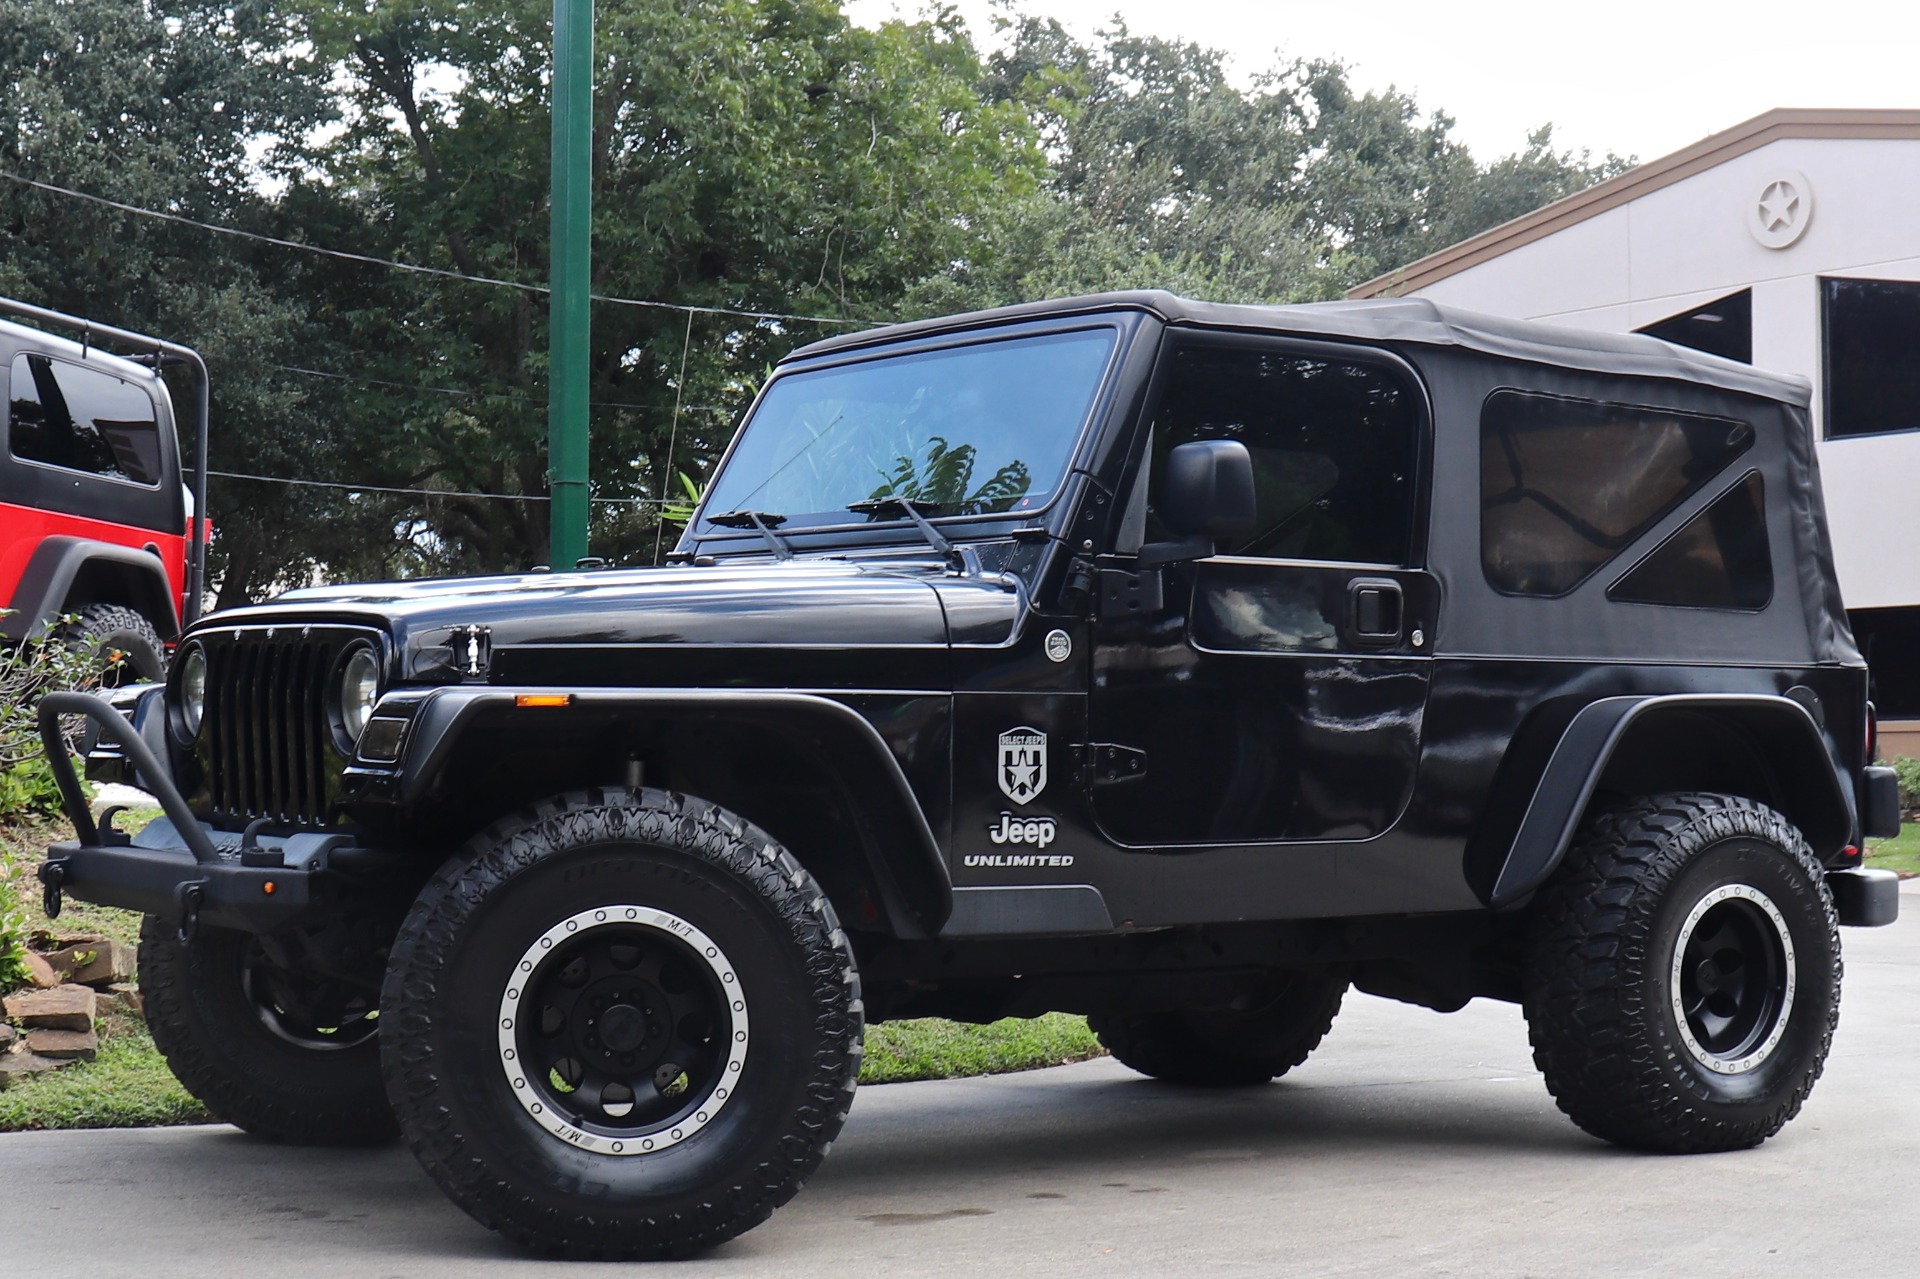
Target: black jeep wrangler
[[1174, 663]]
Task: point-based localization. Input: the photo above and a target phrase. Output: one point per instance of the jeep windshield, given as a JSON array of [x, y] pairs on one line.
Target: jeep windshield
[[982, 429]]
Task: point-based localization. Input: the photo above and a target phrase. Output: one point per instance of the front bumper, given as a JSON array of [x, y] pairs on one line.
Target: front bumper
[[177, 868]]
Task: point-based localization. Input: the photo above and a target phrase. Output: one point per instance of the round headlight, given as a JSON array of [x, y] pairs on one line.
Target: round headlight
[[192, 689], [359, 690]]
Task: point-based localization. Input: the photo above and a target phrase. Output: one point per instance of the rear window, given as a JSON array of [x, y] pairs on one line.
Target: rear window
[[82, 419], [1566, 484]]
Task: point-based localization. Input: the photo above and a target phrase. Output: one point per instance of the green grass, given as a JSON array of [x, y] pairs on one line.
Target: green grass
[[929, 1048], [1900, 854], [23, 844], [127, 1086]]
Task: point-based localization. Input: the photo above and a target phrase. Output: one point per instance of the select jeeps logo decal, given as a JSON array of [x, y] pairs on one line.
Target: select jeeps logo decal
[[1013, 829], [1023, 764]]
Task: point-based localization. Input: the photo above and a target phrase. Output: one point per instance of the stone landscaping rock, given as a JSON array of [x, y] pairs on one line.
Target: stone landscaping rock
[[19, 1065], [64, 1045], [7, 1035], [129, 996], [93, 962], [62, 1008], [40, 972]]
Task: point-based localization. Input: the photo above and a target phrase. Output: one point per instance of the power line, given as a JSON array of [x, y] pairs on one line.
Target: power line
[[416, 269], [418, 492], [480, 395]]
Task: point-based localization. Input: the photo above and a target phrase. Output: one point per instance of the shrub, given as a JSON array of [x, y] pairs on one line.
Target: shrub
[[27, 670], [1907, 769]]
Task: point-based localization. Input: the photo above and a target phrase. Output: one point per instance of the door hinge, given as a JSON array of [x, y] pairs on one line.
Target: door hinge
[[1110, 764]]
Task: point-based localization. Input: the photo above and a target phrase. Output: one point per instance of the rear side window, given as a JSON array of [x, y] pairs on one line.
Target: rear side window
[[1565, 484], [82, 419], [1334, 445], [1720, 558]]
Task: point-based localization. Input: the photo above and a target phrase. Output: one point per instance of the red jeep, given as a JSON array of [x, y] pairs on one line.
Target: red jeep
[[95, 520]]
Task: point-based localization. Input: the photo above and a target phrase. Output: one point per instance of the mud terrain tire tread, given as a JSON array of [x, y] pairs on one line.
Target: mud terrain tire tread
[[1611, 1063], [222, 1054], [1214, 1050], [112, 626], [484, 868]]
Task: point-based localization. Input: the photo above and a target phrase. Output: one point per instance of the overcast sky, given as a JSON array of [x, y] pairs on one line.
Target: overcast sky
[[1630, 76]]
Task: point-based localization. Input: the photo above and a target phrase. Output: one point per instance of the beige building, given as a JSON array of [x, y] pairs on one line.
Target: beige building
[[1791, 242]]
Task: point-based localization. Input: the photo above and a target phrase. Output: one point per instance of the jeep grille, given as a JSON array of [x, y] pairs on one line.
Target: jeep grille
[[267, 736]]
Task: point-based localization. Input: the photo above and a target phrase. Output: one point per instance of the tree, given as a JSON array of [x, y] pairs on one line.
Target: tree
[[1292, 189], [749, 155], [181, 106]]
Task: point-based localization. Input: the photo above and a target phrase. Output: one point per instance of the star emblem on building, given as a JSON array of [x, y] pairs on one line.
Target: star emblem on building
[[1779, 205]]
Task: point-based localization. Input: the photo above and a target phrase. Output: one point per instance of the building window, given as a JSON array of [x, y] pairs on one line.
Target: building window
[[1889, 639], [1722, 327], [1872, 330], [81, 419], [1719, 559], [1334, 446], [1566, 485]]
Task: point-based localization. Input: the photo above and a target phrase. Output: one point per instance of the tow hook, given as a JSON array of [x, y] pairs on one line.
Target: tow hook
[[188, 897], [52, 876]]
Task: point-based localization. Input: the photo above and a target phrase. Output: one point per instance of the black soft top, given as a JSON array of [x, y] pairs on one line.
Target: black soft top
[[1805, 621], [1417, 321]]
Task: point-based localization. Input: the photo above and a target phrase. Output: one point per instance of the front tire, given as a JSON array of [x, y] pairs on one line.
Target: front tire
[[622, 1025], [1229, 1047], [1683, 975], [283, 1058]]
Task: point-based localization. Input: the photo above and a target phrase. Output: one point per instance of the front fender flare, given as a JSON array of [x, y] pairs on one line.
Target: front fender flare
[[917, 893], [1573, 772]]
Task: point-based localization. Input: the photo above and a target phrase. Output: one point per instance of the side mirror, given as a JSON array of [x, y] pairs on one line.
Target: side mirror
[[1207, 497]]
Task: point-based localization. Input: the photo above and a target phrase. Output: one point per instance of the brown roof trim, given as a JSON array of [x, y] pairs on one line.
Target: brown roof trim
[[1772, 126]]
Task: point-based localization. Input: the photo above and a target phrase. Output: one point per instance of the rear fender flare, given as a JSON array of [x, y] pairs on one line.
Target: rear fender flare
[[46, 587], [914, 886], [1782, 729]]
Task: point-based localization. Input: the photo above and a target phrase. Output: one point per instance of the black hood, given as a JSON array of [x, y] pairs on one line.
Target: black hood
[[793, 605]]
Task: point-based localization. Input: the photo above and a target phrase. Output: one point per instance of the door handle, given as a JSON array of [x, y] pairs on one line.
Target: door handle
[[1376, 609]]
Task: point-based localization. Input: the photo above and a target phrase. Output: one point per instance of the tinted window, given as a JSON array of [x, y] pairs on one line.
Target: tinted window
[[1719, 559], [1565, 485], [82, 419], [1334, 446], [1722, 327], [969, 430], [1873, 356], [1890, 641]]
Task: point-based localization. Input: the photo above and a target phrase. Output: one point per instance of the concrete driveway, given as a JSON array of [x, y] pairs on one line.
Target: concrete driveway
[[1411, 1143]]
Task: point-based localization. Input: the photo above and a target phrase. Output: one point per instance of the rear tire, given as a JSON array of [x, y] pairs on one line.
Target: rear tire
[[622, 1025], [248, 1054], [1682, 981], [110, 630], [1228, 1047]]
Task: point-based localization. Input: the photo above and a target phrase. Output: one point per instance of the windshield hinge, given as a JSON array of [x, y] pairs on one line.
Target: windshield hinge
[[1109, 763]]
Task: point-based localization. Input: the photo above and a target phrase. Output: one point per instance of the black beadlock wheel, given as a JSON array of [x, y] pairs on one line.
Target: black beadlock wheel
[[1683, 975], [278, 1055], [622, 1025], [1275, 1031]]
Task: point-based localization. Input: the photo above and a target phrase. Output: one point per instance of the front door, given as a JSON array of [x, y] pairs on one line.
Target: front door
[[1274, 691]]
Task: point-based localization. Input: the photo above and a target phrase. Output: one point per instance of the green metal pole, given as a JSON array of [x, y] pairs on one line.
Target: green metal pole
[[570, 315]]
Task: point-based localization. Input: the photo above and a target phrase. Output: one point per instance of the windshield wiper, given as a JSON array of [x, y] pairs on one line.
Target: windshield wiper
[[963, 558], [762, 522]]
